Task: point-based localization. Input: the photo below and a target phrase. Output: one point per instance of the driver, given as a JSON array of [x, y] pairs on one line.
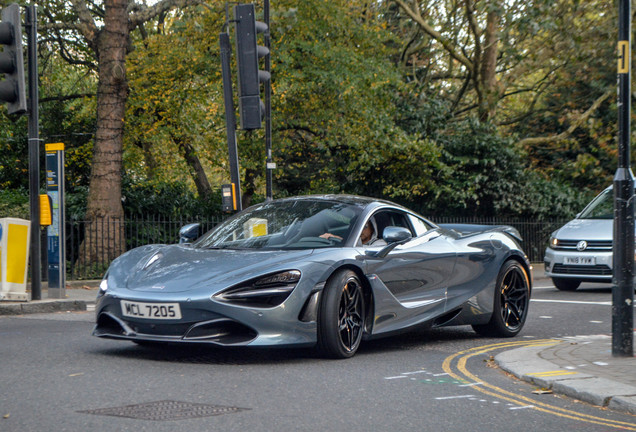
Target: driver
[[369, 235]]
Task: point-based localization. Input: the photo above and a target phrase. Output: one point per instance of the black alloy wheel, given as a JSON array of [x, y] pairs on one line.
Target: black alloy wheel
[[510, 307], [341, 317]]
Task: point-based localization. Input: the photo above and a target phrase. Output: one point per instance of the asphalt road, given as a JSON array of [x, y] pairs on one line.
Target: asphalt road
[[55, 376]]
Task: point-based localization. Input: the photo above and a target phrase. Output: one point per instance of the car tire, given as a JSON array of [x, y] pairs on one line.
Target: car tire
[[341, 317], [566, 284], [510, 304]]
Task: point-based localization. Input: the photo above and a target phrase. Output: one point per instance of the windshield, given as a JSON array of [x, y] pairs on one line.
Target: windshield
[[286, 224], [601, 207]]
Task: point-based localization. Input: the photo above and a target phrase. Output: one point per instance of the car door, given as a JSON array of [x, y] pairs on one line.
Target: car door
[[417, 272]]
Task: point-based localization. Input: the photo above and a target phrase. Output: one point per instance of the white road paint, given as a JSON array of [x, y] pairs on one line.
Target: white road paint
[[521, 407], [572, 302], [471, 384], [455, 397]]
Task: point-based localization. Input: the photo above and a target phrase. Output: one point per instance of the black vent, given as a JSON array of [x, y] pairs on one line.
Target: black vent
[[597, 270]]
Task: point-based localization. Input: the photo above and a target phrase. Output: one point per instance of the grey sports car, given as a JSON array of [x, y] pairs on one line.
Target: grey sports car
[[325, 271]]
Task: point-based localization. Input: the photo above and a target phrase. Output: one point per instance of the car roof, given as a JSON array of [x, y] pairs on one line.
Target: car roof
[[356, 200]]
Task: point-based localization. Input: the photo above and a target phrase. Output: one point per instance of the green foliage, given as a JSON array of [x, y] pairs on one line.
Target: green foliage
[[14, 203], [335, 93], [176, 99], [363, 102], [167, 200], [14, 153]]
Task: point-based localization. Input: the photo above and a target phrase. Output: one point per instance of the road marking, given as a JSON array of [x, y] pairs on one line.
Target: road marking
[[572, 302], [460, 372], [521, 407], [552, 373], [454, 397]]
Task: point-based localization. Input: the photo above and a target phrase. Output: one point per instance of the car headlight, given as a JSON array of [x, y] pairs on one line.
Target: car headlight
[[266, 291], [554, 242], [103, 286]]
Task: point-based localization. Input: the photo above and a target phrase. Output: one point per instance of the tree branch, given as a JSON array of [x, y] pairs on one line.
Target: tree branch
[[86, 25], [146, 13], [437, 36], [578, 122], [67, 97]]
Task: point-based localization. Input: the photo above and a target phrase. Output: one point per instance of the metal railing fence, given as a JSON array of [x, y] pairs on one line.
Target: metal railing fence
[[83, 263], [87, 260]]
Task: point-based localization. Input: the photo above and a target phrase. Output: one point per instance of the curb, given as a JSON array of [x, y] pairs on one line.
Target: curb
[[525, 364], [43, 306], [82, 293]]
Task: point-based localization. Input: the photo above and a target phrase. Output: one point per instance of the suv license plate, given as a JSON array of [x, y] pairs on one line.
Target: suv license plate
[[579, 260], [169, 311]]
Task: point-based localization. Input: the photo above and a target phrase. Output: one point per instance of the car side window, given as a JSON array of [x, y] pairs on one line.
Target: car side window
[[384, 219], [419, 225]]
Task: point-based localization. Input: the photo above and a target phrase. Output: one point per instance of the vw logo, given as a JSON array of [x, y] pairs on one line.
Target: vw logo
[[581, 246]]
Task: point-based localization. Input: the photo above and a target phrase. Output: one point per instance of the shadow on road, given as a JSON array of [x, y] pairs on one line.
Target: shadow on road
[[209, 354]]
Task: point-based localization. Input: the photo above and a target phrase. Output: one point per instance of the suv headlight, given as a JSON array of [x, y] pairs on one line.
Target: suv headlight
[[554, 242]]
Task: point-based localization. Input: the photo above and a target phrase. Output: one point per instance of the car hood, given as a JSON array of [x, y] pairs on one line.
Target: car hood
[[586, 229], [175, 268]]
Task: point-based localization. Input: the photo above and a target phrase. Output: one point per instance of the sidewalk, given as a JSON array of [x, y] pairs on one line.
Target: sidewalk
[[579, 367], [582, 368], [79, 295]]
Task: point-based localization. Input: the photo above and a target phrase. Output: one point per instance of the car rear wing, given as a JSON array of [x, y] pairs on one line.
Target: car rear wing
[[465, 230]]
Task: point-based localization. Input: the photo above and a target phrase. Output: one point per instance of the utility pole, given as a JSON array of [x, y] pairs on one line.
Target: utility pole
[[623, 288], [230, 118], [269, 163], [34, 151]]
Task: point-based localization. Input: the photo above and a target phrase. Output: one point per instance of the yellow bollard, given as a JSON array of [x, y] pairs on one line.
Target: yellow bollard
[[14, 258]]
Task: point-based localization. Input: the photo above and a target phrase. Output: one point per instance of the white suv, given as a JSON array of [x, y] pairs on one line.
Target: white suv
[[581, 250]]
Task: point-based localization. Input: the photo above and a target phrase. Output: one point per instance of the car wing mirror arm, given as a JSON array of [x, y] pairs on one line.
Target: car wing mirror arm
[[394, 236]]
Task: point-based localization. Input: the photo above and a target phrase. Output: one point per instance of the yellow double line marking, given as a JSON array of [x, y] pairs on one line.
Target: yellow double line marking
[[461, 373]]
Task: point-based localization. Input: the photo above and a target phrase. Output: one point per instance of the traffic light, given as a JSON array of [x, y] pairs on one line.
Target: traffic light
[[12, 61], [251, 108]]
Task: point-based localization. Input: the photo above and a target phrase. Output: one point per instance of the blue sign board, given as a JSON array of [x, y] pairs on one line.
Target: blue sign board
[[56, 231]]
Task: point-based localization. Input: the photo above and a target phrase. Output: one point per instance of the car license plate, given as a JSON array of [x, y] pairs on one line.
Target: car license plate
[[579, 260], [169, 311]]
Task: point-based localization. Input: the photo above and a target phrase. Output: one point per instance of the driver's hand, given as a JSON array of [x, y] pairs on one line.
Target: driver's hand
[[329, 235]]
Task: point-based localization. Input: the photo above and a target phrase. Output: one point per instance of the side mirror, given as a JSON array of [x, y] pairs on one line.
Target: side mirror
[[189, 233], [394, 234]]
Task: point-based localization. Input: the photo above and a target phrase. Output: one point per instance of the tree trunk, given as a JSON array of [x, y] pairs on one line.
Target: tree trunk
[[488, 69], [198, 173], [249, 187], [104, 213]]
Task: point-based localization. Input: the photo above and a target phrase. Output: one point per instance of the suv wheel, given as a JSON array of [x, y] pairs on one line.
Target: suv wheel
[[566, 284]]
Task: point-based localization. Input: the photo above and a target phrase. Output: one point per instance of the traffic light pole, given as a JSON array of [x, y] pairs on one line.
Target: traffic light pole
[[623, 290], [230, 118], [269, 163], [34, 152]]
